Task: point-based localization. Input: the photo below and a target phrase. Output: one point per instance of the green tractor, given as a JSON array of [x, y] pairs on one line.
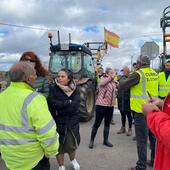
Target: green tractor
[[165, 23], [77, 58]]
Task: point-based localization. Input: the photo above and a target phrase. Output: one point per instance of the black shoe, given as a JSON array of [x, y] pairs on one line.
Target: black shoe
[[106, 143], [93, 134], [91, 144], [106, 135]]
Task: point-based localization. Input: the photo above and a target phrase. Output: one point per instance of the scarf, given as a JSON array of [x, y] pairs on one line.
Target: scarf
[[68, 90]]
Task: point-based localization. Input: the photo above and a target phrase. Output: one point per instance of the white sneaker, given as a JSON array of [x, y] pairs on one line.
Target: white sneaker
[[75, 164], [61, 167]]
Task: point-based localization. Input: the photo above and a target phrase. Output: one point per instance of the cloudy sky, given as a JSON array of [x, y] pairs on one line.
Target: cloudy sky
[[135, 21]]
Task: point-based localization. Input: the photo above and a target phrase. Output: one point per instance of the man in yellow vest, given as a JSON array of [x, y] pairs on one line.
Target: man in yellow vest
[[27, 129], [164, 80], [142, 82]]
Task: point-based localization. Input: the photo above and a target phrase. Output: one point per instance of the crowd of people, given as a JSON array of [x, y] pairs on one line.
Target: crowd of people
[[140, 95], [41, 114]]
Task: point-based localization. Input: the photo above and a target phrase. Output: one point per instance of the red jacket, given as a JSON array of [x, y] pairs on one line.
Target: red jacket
[[159, 123]]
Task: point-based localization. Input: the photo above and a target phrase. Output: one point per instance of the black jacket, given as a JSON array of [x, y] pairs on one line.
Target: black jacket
[[64, 112], [123, 98]]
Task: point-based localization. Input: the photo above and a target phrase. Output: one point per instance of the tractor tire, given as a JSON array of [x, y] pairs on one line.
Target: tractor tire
[[87, 101]]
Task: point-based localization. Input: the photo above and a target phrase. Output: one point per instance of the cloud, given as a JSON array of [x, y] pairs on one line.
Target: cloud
[[134, 21]]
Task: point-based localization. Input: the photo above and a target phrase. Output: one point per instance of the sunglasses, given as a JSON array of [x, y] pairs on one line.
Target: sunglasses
[[32, 61]]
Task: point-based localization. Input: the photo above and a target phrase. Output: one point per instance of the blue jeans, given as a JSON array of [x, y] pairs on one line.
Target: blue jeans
[[141, 131]]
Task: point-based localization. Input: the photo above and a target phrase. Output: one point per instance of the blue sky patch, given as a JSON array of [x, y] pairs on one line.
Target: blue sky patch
[[91, 29], [3, 32]]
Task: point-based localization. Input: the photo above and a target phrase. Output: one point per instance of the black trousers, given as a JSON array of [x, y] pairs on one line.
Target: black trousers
[[141, 131], [44, 164], [152, 141], [103, 112], [123, 118]]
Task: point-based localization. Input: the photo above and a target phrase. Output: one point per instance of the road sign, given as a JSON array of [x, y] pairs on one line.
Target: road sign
[[151, 49]]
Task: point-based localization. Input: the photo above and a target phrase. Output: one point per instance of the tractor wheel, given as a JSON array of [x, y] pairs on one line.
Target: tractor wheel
[[87, 101]]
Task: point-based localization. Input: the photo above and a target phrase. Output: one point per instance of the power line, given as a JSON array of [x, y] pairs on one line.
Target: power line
[[48, 29], [27, 27]]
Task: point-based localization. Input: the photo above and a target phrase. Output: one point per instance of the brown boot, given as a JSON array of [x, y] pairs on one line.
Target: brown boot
[[129, 133], [122, 130]]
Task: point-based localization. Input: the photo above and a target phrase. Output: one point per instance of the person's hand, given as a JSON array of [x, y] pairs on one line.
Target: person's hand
[[112, 75], [156, 101], [126, 71], [148, 107]]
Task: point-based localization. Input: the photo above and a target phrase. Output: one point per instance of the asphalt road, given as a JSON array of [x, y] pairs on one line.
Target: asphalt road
[[120, 157]]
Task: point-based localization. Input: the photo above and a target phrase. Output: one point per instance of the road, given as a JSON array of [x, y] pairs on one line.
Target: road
[[120, 157]]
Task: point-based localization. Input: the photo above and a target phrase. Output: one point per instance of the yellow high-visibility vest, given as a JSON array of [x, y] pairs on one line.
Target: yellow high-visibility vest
[[27, 129], [139, 93], [163, 84]]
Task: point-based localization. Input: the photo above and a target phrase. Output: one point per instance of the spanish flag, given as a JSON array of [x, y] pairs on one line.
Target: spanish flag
[[111, 38]]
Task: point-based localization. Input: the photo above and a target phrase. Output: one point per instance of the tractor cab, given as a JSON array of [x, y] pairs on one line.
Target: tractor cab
[[75, 57]]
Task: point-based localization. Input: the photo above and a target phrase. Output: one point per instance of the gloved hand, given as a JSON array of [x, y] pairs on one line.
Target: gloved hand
[[67, 102]]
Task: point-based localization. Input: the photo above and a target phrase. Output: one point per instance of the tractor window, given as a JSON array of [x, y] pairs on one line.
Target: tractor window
[[75, 62], [65, 59], [88, 63]]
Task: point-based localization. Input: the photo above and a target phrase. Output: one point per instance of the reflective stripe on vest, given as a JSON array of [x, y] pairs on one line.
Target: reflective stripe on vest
[[144, 92], [148, 82], [16, 142], [25, 127], [46, 128], [24, 117], [27, 101], [51, 140]]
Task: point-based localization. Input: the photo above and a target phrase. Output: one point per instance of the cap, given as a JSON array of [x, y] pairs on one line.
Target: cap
[[143, 60]]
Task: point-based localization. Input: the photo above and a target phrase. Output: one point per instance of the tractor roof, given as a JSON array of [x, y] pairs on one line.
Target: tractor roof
[[70, 47]]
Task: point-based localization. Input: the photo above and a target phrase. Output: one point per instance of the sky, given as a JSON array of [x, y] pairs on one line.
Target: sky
[[135, 21]]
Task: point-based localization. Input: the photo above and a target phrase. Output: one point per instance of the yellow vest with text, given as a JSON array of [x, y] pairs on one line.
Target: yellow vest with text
[[148, 83], [164, 85], [27, 129]]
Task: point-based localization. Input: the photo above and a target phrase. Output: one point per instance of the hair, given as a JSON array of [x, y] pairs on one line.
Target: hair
[[107, 70], [167, 61], [19, 70], [40, 69], [134, 64], [69, 74], [143, 60]]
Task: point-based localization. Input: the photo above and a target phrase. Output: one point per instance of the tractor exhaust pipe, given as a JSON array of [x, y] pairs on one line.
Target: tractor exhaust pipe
[[58, 33], [69, 38]]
